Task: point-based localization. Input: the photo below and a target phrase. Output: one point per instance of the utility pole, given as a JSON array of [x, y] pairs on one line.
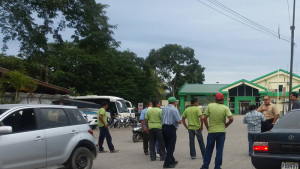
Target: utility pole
[[292, 53]]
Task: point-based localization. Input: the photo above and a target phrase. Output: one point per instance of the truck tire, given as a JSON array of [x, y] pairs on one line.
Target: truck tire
[[81, 158]]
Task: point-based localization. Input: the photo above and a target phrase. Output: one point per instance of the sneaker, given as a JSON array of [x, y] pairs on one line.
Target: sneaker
[[114, 151], [193, 158], [157, 155], [102, 151], [146, 153]]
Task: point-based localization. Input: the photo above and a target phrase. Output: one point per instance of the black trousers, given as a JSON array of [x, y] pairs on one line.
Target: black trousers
[[267, 125], [146, 142], [156, 134], [169, 132]]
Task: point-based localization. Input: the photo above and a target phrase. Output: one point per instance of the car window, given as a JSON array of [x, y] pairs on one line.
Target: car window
[[21, 120], [290, 121], [78, 116], [53, 117]]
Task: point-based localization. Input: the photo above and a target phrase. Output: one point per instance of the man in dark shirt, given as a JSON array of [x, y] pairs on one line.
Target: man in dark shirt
[[296, 103]]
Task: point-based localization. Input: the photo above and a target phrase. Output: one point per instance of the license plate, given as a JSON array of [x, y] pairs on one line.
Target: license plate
[[289, 165]]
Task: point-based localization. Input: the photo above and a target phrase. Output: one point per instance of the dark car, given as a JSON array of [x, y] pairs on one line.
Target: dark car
[[280, 147]]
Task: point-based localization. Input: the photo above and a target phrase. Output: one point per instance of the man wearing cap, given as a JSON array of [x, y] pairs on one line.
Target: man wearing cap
[[170, 118], [217, 113], [195, 125]]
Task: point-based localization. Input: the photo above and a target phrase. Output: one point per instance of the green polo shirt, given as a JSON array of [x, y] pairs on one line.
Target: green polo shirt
[[192, 114], [103, 113], [217, 114], [153, 116]]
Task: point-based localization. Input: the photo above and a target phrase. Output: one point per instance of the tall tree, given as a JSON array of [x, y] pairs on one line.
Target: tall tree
[[176, 65], [33, 22]]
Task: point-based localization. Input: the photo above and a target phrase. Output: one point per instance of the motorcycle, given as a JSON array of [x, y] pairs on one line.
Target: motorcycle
[[137, 133]]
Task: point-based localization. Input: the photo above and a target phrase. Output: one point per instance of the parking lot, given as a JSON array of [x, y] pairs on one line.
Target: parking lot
[[131, 156]]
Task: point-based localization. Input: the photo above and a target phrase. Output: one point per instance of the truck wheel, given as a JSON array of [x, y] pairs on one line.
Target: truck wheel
[[81, 158]]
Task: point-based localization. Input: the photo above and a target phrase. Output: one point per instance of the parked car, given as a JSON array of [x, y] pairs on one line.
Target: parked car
[[91, 117], [39, 136], [280, 147]]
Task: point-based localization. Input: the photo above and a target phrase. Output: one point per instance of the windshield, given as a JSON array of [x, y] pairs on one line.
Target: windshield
[[2, 111], [290, 121], [121, 106]]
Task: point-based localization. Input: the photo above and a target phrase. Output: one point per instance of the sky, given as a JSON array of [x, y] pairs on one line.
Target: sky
[[229, 50]]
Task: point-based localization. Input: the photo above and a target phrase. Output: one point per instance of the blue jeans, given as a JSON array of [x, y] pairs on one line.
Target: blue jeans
[[104, 133], [212, 138], [192, 134], [251, 137]]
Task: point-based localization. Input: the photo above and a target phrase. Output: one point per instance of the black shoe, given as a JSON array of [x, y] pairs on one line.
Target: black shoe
[[146, 153], [175, 163], [170, 166]]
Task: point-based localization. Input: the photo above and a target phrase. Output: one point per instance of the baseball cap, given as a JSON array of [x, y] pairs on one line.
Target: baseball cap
[[219, 96], [172, 99]]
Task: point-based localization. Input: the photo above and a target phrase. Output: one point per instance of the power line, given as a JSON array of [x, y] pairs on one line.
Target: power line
[[248, 22], [219, 4]]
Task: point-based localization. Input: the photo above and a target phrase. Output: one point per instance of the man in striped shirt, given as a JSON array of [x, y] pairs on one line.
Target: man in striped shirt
[[253, 119], [170, 118]]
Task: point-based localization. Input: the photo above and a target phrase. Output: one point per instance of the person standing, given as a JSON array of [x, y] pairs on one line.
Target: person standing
[[153, 124], [195, 126], [271, 113], [170, 120], [216, 113], [253, 119], [145, 130], [104, 132], [296, 103]]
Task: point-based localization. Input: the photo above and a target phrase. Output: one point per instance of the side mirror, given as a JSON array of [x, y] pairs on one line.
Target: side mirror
[[5, 129]]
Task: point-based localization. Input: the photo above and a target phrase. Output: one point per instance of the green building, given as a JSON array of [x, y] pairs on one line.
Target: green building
[[239, 95]]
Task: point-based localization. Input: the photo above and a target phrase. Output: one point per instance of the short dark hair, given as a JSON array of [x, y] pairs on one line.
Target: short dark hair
[[194, 100], [104, 104], [252, 107], [294, 94], [154, 103]]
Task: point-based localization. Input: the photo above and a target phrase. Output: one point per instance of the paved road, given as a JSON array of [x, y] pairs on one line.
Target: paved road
[[131, 154]]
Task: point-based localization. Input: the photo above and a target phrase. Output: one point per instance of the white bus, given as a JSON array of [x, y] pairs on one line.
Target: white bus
[[115, 104]]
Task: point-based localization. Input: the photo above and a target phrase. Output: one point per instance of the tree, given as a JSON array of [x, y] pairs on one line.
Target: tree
[[19, 82], [33, 22], [176, 65]]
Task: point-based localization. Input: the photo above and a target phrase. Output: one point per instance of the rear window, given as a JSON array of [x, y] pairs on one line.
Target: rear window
[[76, 116], [289, 121]]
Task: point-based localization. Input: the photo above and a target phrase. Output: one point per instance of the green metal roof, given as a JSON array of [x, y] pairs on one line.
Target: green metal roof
[[200, 88]]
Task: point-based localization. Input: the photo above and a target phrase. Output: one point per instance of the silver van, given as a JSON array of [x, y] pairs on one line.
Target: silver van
[[39, 136]]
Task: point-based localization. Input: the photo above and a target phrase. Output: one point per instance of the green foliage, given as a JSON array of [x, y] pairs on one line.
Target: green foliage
[[32, 22], [176, 65], [19, 82]]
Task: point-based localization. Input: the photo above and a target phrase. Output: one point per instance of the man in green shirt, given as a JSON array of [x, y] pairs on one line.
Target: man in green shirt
[[104, 132], [217, 113], [195, 125], [153, 123]]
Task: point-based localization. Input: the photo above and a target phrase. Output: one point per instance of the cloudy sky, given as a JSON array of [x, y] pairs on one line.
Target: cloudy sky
[[229, 50]]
